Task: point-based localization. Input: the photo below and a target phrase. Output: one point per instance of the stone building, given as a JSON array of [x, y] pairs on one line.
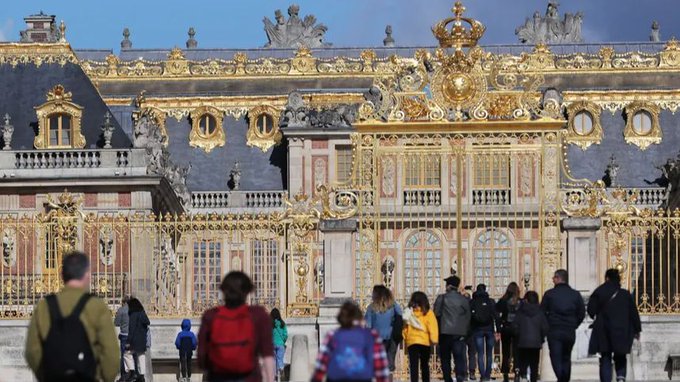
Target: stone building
[[323, 170]]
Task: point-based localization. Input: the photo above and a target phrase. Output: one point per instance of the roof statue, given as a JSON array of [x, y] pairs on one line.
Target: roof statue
[[191, 42], [389, 40], [294, 32], [550, 29], [655, 35], [126, 43]]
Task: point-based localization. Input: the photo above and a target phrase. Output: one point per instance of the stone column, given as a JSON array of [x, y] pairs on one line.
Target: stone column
[[295, 168], [338, 266], [582, 261]]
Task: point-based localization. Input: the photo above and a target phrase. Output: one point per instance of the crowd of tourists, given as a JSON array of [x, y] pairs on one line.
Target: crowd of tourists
[[71, 336]]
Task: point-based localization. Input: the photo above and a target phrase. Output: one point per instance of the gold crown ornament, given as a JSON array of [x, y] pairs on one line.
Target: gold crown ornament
[[463, 33]]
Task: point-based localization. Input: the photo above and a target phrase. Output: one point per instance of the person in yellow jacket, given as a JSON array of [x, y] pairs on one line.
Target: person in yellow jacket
[[96, 321], [420, 332]]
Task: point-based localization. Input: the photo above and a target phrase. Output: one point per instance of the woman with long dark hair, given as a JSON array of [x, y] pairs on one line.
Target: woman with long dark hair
[[280, 335], [420, 333], [138, 333], [384, 316], [507, 308]]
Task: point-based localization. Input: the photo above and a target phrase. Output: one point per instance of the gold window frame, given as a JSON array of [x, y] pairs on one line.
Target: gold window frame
[[654, 135], [259, 139], [59, 101], [584, 140], [207, 142]]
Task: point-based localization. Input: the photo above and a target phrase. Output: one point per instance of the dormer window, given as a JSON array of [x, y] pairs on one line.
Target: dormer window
[[59, 122], [584, 127], [206, 128], [263, 128], [642, 125], [265, 123]]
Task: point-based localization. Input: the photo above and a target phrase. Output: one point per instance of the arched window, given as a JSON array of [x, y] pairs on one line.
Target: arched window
[[206, 128], [265, 124], [583, 123], [263, 127], [493, 267], [207, 125], [423, 263], [642, 122]]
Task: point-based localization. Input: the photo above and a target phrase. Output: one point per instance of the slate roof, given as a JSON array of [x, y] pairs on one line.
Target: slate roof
[[25, 86]]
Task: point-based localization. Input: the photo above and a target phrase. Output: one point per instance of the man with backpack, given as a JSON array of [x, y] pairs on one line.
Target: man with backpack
[[485, 327], [234, 337], [452, 310], [71, 336]]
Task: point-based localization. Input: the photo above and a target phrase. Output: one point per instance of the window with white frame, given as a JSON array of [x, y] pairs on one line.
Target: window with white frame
[[493, 267], [423, 263]]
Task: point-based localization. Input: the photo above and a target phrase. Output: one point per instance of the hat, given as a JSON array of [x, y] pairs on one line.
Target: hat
[[453, 281], [481, 288]]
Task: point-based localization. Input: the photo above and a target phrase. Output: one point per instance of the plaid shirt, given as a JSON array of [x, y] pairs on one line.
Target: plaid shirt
[[380, 365]]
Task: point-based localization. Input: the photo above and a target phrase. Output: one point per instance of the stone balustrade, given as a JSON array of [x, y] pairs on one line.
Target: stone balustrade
[[216, 200], [648, 197], [498, 197], [422, 197]]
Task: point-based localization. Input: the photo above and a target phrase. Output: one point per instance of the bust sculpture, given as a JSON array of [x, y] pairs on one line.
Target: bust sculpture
[[295, 32], [655, 35], [389, 40]]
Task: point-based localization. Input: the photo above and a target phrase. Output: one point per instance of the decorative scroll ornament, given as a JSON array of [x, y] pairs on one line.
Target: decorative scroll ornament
[[263, 127], [59, 103], [586, 131], [206, 128], [642, 124]]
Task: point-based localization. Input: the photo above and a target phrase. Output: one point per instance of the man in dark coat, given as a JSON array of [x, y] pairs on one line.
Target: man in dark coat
[[616, 324], [565, 310], [453, 312], [484, 325]]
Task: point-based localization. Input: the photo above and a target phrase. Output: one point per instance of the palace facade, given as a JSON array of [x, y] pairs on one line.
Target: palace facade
[[322, 171]]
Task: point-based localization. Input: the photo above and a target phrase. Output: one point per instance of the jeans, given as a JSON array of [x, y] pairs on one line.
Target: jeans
[[484, 341], [606, 366], [471, 356], [185, 364], [419, 355], [279, 352], [560, 344], [391, 350], [509, 350], [528, 358], [452, 345], [122, 339]]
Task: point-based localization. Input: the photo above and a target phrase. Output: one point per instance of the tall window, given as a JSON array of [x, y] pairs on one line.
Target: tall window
[[207, 271], [492, 171], [60, 130], [422, 171], [493, 267], [265, 271], [343, 160], [423, 263]]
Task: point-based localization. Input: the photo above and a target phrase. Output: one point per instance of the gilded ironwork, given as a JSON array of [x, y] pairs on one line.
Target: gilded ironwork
[[202, 134], [644, 135], [59, 103], [591, 115], [259, 134]]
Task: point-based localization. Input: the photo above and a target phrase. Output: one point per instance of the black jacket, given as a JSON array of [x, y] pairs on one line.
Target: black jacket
[[564, 308], [139, 326], [617, 320], [475, 326], [453, 312], [507, 313], [530, 326]]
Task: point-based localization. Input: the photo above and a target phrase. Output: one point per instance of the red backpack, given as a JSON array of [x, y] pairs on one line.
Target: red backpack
[[232, 342]]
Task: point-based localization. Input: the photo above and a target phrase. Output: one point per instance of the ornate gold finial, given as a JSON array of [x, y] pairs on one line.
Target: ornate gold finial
[[458, 36], [58, 93], [62, 31], [303, 51], [176, 54]]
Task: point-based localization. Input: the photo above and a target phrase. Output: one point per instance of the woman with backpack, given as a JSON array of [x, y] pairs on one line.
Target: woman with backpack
[[138, 331], [507, 308], [351, 353], [421, 332], [384, 316], [530, 326], [280, 335]]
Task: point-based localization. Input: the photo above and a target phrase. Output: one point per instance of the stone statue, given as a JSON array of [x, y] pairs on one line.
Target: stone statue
[[319, 274], [7, 131], [107, 130], [8, 252], [166, 269], [296, 113], [550, 29], [235, 175], [387, 270], [389, 40], [611, 173], [342, 116], [106, 254], [655, 36], [191, 42], [295, 32], [126, 43]]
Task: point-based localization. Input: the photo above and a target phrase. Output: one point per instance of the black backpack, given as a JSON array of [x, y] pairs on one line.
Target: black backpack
[[481, 312], [397, 327], [67, 354]]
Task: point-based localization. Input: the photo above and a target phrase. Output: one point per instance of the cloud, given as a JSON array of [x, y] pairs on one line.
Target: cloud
[[6, 29]]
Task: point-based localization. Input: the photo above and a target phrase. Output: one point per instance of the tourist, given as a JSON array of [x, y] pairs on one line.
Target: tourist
[[530, 327], [235, 337], [385, 316], [470, 343], [421, 332], [280, 335], [186, 344], [83, 345], [122, 321], [351, 353], [507, 309], [565, 311], [484, 328], [453, 312], [617, 323], [138, 339]]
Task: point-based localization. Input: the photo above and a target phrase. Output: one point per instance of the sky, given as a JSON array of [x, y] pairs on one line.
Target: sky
[[98, 24]]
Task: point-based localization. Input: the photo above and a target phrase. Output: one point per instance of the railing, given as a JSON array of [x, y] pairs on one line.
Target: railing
[[649, 197], [98, 162], [491, 197], [422, 198], [57, 159], [237, 199]]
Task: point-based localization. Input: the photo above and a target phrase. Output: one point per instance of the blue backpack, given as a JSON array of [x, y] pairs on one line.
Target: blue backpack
[[351, 355]]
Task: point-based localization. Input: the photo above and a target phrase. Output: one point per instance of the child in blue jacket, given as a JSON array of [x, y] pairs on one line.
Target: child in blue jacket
[[186, 344]]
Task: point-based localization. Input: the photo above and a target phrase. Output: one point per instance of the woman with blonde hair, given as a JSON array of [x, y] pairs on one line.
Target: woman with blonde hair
[[384, 316]]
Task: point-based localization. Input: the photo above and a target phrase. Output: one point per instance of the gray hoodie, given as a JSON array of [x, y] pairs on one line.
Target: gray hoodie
[[122, 320], [453, 312]]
